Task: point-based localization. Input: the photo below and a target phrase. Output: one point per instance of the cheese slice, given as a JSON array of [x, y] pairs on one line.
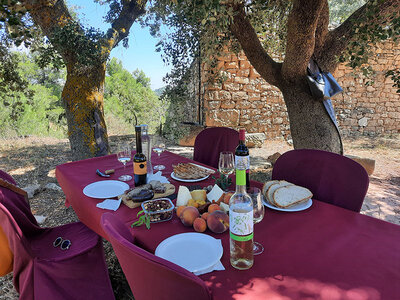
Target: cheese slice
[[183, 196], [215, 194]]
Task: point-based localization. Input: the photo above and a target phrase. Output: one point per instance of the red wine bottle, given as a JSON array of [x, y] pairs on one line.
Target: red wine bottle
[[139, 160], [242, 155]]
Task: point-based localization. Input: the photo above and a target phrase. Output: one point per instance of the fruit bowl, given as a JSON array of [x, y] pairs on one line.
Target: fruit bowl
[[158, 210]]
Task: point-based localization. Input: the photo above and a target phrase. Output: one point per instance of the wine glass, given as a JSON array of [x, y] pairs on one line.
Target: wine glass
[[124, 155], [226, 166], [258, 214], [226, 163], [159, 147]]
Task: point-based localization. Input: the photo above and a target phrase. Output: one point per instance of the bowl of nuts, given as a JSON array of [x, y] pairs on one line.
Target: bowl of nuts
[[158, 210]]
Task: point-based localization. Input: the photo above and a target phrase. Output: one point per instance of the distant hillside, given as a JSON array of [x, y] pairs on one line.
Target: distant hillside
[[159, 91]]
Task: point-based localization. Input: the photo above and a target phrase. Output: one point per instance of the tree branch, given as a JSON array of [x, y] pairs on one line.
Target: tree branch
[[131, 10], [302, 24], [338, 39], [256, 54], [50, 15], [322, 29]]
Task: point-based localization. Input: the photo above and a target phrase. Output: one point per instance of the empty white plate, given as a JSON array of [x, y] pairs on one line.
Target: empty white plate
[[193, 251], [105, 189]]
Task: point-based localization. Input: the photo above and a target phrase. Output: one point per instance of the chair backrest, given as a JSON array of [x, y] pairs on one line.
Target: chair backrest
[[18, 207], [149, 276], [331, 177], [211, 141]]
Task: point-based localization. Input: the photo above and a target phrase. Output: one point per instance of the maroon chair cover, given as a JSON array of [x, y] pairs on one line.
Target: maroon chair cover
[[149, 276], [42, 271], [211, 141], [332, 178]]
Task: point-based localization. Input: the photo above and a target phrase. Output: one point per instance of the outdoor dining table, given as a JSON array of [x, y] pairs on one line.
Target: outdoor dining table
[[323, 252]]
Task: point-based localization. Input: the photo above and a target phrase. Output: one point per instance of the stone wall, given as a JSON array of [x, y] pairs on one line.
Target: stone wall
[[246, 100]]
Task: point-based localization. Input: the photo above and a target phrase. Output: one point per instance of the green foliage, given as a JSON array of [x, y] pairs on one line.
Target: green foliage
[[128, 98], [371, 29], [81, 42], [179, 98], [143, 219], [340, 10], [39, 112]]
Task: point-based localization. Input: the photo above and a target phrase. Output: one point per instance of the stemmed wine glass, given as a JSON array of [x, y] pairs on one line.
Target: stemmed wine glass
[[258, 214], [226, 165], [124, 155], [159, 148]]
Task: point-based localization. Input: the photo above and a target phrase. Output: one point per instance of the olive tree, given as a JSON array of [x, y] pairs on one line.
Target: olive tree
[[298, 30]]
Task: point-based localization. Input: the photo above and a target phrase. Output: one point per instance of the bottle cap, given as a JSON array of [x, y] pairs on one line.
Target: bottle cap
[[242, 134]]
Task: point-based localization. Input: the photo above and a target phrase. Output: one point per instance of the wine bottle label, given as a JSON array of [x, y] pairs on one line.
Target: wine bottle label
[[140, 168], [243, 161], [241, 224], [240, 238]]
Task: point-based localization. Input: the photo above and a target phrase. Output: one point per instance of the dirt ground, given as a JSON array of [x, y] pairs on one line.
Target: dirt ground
[[32, 160]]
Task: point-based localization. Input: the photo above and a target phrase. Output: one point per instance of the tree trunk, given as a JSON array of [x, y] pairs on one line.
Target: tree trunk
[[83, 99], [310, 124]]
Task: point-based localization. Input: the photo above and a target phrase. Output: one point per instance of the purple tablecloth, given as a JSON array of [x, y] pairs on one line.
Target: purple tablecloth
[[324, 252]]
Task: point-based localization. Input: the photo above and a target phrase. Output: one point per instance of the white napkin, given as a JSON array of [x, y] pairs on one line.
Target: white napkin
[[110, 204], [157, 176], [217, 267]]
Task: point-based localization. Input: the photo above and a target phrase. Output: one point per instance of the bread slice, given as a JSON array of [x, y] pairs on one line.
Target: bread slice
[[266, 187], [273, 188], [290, 195]]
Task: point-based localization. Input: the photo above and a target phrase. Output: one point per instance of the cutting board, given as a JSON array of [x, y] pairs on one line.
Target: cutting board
[[170, 189]]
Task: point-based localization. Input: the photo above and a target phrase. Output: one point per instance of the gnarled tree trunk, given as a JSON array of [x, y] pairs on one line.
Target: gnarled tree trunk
[[310, 124], [82, 97]]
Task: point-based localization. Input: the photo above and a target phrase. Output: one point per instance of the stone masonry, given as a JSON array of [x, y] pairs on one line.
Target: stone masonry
[[244, 99]]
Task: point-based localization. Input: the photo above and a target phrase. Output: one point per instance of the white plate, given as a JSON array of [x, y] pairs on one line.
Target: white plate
[[193, 251], [173, 176], [105, 189], [298, 207]]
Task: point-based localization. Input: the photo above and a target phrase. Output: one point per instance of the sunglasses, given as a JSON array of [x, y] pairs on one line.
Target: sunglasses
[[64, 244]]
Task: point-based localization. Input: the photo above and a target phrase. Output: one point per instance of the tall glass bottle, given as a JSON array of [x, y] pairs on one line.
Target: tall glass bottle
[[146, 146], [139, 160], [242, 154], [241, 222]]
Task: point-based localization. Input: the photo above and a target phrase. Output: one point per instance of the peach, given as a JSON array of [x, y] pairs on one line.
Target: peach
[[199, 225], [218, 221], [179, 210], [205, 215], [188, 215], [213, 207]]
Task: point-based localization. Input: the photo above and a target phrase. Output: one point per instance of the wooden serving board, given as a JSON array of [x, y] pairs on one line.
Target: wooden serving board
[[170, 190]]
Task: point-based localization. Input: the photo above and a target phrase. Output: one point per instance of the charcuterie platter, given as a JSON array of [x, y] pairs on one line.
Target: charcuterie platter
[[134, 197]]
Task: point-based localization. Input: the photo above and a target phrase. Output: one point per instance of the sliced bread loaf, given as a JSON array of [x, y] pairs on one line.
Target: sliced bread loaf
[[266, 187], [289, 195], [273, 187]]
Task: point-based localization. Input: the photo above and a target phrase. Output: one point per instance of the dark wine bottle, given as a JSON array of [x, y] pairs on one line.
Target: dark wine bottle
[[139, 160], [242, 155]]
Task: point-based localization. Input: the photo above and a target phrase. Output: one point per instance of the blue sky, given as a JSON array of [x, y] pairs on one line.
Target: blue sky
[[141, 52]]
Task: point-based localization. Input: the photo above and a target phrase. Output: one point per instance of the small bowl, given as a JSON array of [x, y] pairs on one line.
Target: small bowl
[[158, 210]]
